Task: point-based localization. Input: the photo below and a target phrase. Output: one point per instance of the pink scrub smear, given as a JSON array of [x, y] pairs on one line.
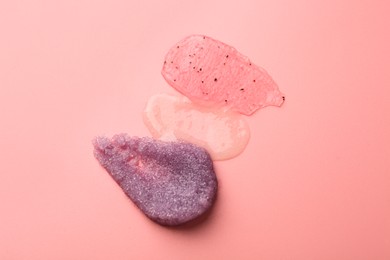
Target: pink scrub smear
[[208, 71], [223, 134]]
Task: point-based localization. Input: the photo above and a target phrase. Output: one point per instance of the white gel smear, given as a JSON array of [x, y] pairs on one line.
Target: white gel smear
[[224, 134]]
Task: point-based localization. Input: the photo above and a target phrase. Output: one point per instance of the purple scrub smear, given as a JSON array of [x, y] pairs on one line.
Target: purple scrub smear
[[171, 182]]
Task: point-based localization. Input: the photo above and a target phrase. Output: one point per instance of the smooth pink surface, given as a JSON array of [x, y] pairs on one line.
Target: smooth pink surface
[[313, 182]]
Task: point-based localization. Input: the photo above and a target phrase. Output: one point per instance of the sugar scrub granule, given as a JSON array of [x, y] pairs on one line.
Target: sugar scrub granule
[[223, 134], [171, 182], [208, 71]]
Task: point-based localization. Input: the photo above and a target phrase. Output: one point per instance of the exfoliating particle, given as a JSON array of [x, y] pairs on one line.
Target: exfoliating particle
[[222, 133], [208, 71], [171, 182]]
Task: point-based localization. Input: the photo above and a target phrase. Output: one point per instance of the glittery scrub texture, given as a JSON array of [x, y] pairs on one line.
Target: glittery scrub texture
[[171, 182]]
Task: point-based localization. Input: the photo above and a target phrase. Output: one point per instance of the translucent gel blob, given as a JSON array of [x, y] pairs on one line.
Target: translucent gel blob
[[224, 134]]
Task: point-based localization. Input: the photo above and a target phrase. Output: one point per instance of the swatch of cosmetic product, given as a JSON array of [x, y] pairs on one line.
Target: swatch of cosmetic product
[[171, 182], [222, 133], [208, 71]]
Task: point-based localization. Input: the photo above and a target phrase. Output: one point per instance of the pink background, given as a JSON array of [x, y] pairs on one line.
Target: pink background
[[313, 182]]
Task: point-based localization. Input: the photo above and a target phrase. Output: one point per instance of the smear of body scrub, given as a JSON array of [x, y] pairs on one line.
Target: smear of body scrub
[[174, 182], [171, 182], [208, 71], [223, 134]]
